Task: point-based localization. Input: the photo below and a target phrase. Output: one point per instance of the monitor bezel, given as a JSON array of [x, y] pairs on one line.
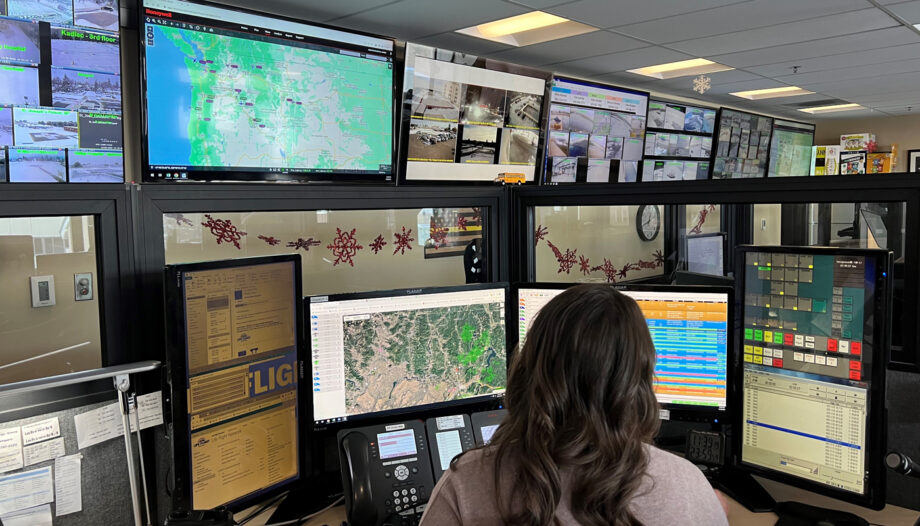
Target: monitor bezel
[[717, 129], [242, 176], [176, 368], [545, 130], [682, 412], [421, 411], [404, 117], [723, 235], [876, 430]]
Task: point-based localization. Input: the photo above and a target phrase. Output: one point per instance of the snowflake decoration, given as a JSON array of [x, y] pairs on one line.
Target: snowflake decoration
[[610, 272], [438, 235], [659, 258], [540, 234], [304, 243], [344, 247], [270, 240], [554, 248], [461, 223], [403, 241], [566, 261], [626, 268], [702, 84], [477, 214], [378, 243], [224, 231], [181, 219], [584, 265]]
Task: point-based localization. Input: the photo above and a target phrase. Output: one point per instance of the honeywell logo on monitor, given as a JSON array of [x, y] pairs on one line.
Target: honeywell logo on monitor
[[154, 12]]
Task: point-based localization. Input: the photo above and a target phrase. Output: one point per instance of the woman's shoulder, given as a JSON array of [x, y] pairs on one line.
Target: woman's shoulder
[[676, 489]]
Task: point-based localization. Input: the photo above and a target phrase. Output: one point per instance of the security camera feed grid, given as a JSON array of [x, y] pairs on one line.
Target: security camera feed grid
[[678, 133], [60, 89], [593, 122], [96, 166], [480, 123], [742, 145]]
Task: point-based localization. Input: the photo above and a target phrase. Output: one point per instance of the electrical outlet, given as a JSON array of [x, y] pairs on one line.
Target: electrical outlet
[[42, 291], [83, 286]]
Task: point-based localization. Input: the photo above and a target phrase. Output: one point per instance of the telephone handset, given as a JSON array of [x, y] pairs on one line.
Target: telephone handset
[[386, 473], [448, 436]]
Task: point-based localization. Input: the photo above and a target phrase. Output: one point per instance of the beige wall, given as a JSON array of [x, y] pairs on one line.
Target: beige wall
[[595, 232], [903, 131], [384, 270], [26, 331]]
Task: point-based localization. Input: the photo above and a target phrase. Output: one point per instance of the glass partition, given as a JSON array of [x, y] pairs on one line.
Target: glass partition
[[342, 250], [599, 243], [49, 308]]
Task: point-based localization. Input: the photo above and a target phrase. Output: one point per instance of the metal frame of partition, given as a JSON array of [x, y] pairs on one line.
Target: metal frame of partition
[[837, 189]]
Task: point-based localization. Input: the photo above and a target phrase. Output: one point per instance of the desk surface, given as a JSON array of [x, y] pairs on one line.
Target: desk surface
[[737, 514]]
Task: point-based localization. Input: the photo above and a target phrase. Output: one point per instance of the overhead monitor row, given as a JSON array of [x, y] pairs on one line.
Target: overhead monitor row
[[236, 95]]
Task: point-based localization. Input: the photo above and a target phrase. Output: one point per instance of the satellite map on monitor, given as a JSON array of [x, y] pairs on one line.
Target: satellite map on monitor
[[417, 357], [249, 103]]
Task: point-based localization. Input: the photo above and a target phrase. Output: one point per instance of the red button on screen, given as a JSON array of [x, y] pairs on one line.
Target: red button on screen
[[855, 366], [777, 362], [831, 344], [855, 348], [789, 339], [855, 375]]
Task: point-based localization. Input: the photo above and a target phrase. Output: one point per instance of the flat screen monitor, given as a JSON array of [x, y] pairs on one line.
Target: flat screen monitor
[[393, 352], [742, 145], [469, 119], [705, 254], [234, 332], [60, 92], [790, 149], [810, 388], [595, 132], [691, 329], [234, 95]]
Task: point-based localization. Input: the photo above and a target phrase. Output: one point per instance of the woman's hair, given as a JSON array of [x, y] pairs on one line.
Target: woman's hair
[[581, 408]]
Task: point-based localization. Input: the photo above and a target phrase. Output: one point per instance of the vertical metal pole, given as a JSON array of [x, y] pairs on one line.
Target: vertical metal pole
[[122, 384], [140, 454]]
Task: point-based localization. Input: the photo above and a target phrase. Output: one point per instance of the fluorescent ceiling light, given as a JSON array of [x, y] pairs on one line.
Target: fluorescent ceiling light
[[772, 93], [529, 28], [684, 68], [831, 108]]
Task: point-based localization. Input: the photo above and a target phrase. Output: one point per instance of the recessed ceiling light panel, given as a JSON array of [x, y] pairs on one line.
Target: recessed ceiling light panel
[[832, 108], [772, 93], [527, 29], [684, 68]]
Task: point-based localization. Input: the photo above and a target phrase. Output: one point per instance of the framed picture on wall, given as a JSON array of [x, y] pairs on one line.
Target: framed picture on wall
[[913, 161]]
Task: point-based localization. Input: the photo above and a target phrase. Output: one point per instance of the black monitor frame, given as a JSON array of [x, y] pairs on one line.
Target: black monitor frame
[[289, 176], [723, 235], [679, 412], [876, 427], [477, 403], [176, 338]]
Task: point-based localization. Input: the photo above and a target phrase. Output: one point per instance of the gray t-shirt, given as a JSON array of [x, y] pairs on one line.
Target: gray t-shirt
[[675, 492]]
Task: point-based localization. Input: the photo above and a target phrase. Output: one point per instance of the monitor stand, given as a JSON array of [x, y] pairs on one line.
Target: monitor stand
[[742, 487], [795, 513], [316, 493]]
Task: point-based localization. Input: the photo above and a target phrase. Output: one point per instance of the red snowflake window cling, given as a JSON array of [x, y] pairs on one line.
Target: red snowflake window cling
[[403, 241], [584, 265], [540, 234], [344, 247], [378, 243], [438, 235], [304, 244], [224, 231], [270, 240], [610, 271]]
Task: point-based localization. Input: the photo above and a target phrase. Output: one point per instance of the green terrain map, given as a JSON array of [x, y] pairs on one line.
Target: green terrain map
[[258, 104], [416, 357]]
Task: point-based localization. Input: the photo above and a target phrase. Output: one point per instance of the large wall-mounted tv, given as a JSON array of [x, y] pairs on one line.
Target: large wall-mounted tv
[[469, 119], [234, 95], [60, 92]]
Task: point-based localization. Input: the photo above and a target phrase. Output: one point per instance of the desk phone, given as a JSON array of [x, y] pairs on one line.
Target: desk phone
[[448, 436]]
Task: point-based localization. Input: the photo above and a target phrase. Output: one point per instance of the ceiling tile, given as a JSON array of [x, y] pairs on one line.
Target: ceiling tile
[[310, 11], [909, 11], [870, 86], [737, 17], [466, 44], [540, 4], [412, 19], [790, 33], [685, 84], [570, 48], [850, 43], [610, 13], [843, 60], [848, 74], [635, 58]]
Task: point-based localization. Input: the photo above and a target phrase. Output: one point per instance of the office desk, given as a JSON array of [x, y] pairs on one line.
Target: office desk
[[738, 515]]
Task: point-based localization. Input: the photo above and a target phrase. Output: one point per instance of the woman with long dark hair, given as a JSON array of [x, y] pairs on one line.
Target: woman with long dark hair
[[575, 447]]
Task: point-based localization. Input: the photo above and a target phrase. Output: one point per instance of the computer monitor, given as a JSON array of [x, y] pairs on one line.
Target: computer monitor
[[705, 254], [237, 95], [810, 390], [691, 329], [234, 334], [385, 353]]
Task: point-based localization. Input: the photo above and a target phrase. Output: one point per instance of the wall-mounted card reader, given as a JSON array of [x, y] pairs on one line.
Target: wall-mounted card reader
[[42, 291]]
